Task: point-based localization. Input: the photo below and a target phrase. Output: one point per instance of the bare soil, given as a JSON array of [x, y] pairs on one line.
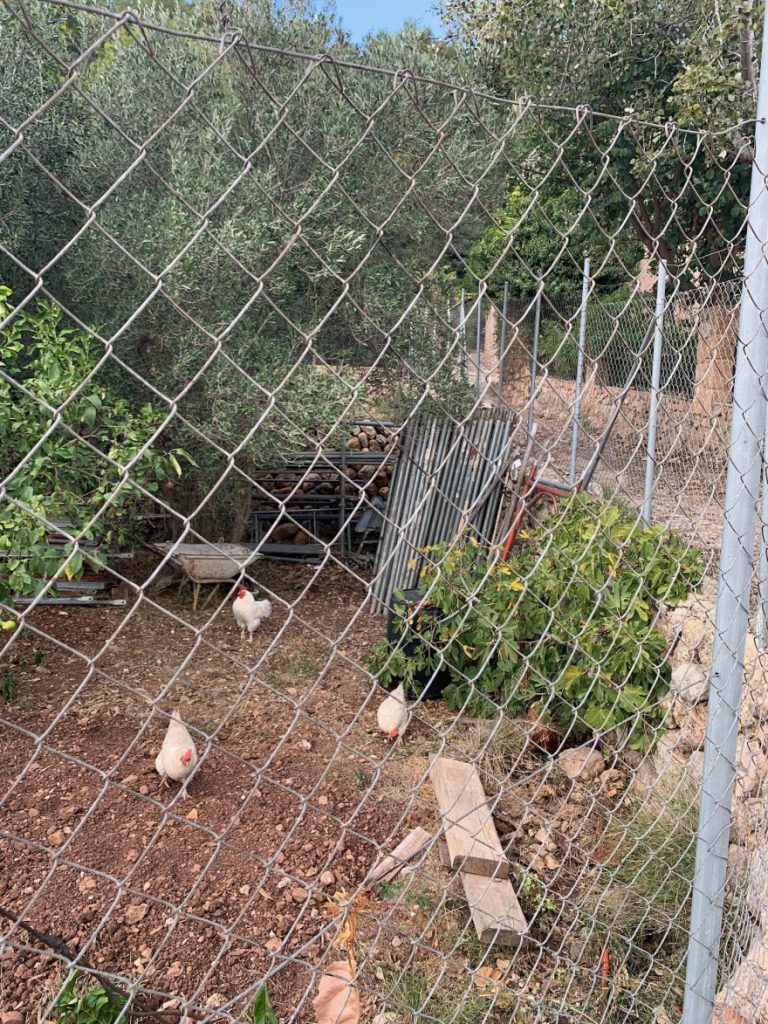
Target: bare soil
[[199, 897]]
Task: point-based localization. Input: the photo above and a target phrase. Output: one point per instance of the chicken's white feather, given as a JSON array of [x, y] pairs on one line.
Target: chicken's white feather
[[178, 754], [393, 715], [250, 613]]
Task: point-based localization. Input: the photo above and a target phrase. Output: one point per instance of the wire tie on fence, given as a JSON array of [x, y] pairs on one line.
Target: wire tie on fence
[[328, 65], [229, 39]]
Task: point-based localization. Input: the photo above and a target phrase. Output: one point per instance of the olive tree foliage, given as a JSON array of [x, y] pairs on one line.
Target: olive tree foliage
[[244, 242], [689, 63]]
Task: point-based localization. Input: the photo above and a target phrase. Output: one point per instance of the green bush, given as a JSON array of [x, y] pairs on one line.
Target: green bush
[[71, 448], [566, 625]]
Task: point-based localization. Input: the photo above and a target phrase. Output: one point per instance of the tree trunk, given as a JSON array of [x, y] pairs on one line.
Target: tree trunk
[[717, 334], [241, 514]]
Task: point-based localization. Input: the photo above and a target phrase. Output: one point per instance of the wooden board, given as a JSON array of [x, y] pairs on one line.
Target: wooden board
[[402, 853], [473, 843], [496, 914]]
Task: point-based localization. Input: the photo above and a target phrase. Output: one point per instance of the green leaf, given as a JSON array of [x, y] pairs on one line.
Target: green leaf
[[599, 718], [261, 1011]]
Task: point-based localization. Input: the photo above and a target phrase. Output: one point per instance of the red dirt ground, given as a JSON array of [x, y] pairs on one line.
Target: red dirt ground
[[198, 898]]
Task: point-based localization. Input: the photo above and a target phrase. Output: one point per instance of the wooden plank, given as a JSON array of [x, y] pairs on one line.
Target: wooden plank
[[496, 914], [386, 870], [473, 843]]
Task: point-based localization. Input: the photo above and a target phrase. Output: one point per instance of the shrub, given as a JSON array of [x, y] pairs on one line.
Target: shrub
[[71, 448], [565, 626]]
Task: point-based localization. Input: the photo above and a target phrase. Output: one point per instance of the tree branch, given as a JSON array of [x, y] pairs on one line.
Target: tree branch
[[746, 47]]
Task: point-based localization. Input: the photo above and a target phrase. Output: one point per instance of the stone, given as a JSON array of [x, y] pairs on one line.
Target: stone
[[12, 1017], [298, 894], [692, 723], [581, 763], [689, 626], [689, 683], [136, 913], [327, 878], [752, 767], [668, 772]]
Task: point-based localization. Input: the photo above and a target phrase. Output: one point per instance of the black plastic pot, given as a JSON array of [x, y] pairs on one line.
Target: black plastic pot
[[431, 686]]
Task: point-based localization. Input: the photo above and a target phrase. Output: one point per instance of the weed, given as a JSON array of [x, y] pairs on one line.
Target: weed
[[441, 1002], [535, 894], [420, 898], [9, 686], [95, 1006], [472, 595], [295, 669], [261, 1011], [362, 778], [640, 900]]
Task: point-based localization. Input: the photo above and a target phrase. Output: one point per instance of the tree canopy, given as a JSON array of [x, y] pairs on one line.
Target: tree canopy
[[686, 64], [242, 224]]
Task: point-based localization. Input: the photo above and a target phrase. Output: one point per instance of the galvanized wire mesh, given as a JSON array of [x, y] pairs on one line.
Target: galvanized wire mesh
[[236, 318]]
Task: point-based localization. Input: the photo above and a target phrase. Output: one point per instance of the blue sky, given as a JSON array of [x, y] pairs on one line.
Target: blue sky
[[361, 16]]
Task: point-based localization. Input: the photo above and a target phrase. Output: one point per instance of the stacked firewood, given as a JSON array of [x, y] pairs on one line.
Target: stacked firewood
[[298, 488]]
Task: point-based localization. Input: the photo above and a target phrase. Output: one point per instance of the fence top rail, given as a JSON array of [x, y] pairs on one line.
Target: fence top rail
[[582, 113]]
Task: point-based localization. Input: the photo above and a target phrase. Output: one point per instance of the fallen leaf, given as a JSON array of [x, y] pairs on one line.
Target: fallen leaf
[[192, 816], [244, 890], [337, 1000], [485, 976], [346, 911]]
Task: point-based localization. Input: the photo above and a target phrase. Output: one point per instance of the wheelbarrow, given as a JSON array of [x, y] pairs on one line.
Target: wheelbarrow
[[208, 564]]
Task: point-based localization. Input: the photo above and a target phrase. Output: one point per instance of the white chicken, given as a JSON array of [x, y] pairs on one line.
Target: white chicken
[[393, 715], [249, 612], [178, 754]]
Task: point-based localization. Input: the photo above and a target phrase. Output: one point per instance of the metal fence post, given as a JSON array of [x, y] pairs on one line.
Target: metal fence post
[[653, 411], [732, 613], [478, 341], [534, 356], [463, 334], [579, 373], [762, 579], [503, 342]]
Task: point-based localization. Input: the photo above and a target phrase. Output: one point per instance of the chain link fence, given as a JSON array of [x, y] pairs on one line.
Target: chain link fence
[[241, 289]]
